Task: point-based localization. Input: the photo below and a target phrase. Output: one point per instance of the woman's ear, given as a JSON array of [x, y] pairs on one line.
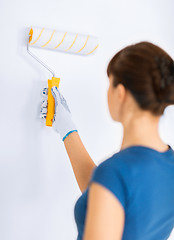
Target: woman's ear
[[121, 91]]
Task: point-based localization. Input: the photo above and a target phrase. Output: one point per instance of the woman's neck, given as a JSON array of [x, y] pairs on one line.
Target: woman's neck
[[142, 129]]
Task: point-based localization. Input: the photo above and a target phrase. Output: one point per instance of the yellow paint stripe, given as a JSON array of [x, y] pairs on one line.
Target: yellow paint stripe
[[38, 37], [72, 43], [92, 50], [61, 41], [49, 39], [84, 45]]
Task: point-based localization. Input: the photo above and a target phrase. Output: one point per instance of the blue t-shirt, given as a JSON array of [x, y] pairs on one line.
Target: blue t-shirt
[[142, 179]]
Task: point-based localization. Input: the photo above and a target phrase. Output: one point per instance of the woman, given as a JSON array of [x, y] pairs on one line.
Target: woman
[[130, 195]]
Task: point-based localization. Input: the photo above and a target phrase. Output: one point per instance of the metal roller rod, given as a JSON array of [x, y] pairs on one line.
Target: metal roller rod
[[43, 64]]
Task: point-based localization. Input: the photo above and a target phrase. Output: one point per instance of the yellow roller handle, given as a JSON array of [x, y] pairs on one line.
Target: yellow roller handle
[[51, 103]]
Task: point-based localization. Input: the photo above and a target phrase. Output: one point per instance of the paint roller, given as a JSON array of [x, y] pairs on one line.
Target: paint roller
[[67, 42]]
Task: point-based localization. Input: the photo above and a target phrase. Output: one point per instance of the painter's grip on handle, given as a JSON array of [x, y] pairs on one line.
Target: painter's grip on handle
[[51, 103]]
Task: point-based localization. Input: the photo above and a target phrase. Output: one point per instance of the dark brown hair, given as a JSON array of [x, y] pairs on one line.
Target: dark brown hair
[[147, 71]]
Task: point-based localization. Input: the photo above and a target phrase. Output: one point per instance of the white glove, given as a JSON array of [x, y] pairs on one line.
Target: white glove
[[62, 121]]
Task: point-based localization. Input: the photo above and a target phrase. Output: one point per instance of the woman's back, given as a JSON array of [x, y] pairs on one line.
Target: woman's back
[[143, 181]]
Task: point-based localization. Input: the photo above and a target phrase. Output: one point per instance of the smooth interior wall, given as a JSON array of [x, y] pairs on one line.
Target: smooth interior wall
[[38, 188]]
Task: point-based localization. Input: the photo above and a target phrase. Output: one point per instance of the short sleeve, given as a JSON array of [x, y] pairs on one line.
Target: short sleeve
[[111, 179]]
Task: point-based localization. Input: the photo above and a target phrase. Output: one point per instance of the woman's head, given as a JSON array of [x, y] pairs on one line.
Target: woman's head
[[141, 80]]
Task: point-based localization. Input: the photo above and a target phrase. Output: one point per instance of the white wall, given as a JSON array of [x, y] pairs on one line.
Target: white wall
[[38, 189]]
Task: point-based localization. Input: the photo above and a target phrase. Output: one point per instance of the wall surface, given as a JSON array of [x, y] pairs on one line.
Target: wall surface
[[38, 189]]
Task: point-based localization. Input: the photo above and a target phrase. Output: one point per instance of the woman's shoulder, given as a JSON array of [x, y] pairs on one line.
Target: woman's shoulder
[[127, 160], [121, 158], [133, 159]]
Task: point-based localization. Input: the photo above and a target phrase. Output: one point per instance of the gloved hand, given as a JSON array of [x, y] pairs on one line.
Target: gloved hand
[[62, 121]]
